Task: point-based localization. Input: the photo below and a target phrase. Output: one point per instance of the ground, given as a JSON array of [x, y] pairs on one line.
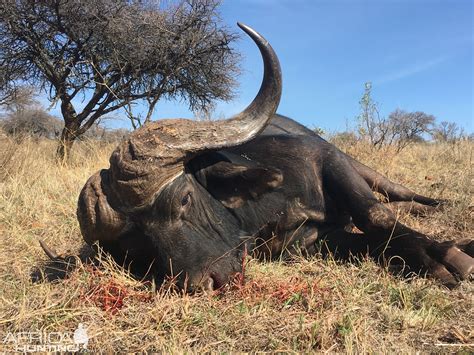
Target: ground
[[302, 305]]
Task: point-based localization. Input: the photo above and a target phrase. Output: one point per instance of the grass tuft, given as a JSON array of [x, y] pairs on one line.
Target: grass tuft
[[302, 306]]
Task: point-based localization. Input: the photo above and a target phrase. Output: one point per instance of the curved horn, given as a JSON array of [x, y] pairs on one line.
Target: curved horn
[[156, 153], [47, 250], [257, 115], [246, 125]]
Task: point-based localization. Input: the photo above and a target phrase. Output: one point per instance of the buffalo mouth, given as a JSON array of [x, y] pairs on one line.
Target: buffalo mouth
[[229, 269], [215, 281], [151, 159], [216, 275]]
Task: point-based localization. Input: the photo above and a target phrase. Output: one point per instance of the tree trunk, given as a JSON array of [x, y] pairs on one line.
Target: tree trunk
[[70, 130], [65, 145]]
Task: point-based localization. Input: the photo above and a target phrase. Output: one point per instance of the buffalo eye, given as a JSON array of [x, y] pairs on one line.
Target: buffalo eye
[[186, 199]]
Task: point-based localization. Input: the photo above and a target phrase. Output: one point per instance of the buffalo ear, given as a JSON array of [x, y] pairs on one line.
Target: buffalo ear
[[234, 184]]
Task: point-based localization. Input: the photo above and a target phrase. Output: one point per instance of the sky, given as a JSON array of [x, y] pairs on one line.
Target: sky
[[418, 54]]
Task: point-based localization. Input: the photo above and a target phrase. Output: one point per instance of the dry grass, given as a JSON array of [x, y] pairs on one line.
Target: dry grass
[[304, 306]]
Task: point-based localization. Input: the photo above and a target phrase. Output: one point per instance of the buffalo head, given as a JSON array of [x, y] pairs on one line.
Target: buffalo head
[[155, 188]]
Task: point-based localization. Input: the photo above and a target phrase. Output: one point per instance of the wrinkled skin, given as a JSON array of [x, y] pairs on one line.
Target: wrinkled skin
[[186, 196], [288, 187]]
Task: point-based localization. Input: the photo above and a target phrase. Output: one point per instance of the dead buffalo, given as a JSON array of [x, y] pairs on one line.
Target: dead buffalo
[[186, 196]]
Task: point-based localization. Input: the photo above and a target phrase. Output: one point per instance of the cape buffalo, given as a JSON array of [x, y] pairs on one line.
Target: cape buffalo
[[187, 196]]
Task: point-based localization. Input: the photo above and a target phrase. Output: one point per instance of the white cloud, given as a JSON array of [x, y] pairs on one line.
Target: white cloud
[[410, 71]]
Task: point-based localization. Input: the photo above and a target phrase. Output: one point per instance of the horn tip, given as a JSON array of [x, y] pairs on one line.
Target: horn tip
[[245, 28], [47, 250]]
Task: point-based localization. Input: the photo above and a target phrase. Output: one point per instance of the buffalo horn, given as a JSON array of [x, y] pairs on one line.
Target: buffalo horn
[[156, 153]]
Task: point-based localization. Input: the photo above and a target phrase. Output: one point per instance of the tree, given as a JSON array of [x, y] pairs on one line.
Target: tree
[[24, 116], [19, 98], [446, 132], [114, 53], [371, 125], [9, 88], [404, 128], [31, 121], [400, 128], [6, 91]]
